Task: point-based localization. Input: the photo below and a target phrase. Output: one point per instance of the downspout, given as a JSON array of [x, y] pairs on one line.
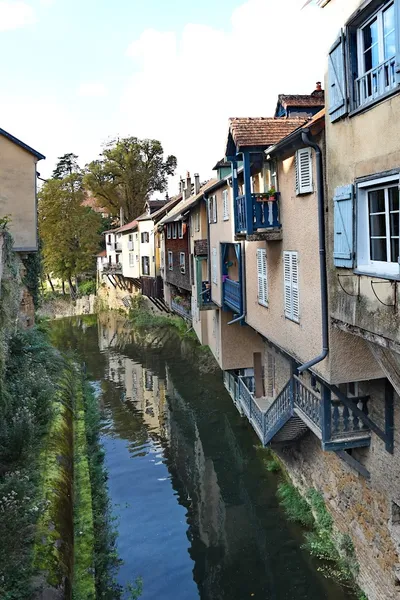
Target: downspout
[[322, 256], [243, 269]]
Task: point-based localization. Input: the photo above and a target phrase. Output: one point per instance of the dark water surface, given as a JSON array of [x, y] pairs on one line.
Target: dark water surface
[[197, 510]]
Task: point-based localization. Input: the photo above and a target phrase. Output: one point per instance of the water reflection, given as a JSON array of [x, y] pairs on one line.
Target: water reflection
[[197, 509]]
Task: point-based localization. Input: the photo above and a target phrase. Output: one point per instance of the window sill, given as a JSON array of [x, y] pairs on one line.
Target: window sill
[[373, 103], [367, 273]]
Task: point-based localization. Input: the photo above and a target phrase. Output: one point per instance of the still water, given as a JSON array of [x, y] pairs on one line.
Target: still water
[[197, 510]]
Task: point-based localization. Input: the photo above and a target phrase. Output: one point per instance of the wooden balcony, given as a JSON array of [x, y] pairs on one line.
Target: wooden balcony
[[181, 310], [112, 268], [256, 218], [232, 295]]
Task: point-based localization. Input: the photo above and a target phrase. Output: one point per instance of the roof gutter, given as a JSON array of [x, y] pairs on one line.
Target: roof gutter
[[322, 254]]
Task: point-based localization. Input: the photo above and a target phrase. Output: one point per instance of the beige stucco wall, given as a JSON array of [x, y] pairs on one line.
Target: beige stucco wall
[[18, 193], [357, 146]]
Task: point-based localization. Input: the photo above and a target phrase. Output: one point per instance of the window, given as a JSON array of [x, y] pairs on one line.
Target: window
[[180, 229], [303, 166], [144, 237], [197, 220], [130, 237], [291, 285], [225, 203], [191, 268], [109, 239], [352, 389], [182, 261], [130, 242], [137, 257], [271, 179], [146, 265], [170, 260], [212, 209], [169, 231], [162, 259], [174, 231], [372, 50], [378, 227], [214, 265], [131, 259], [117, 258], [262, 277]]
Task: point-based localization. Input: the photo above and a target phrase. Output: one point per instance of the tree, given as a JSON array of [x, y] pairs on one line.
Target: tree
[[69, 231], [67, 164], [129, 171]]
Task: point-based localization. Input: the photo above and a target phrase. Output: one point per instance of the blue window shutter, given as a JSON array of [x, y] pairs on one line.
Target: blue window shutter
[[397, 29], [343, 249], [337, 88]]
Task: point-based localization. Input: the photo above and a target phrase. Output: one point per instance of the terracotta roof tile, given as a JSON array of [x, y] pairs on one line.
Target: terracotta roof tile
[[127, 227], [262, 131], [310, 100]]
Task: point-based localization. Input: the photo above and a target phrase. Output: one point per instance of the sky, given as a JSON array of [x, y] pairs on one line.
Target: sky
[[78, 73]]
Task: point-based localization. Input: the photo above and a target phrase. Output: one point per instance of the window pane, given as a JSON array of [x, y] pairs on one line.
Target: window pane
[[394, 224], [376, 201], [388, 20], [370, 34], [394, 249], [393, 199], [390, 45], [377, 225], [378, 249]]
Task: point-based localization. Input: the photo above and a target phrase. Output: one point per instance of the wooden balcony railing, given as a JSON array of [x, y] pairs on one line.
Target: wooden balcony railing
[[376, 82], [264, 214], [232, 295]]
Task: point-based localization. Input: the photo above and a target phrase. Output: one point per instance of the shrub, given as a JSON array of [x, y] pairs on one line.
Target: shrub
[[296, 507], [87, 287]]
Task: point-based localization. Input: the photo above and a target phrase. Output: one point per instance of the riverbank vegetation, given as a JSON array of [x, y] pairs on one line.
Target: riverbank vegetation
[[334, 550]]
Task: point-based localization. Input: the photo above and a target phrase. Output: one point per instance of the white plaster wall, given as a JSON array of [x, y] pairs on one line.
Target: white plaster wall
[[147, 249], [127, 270]]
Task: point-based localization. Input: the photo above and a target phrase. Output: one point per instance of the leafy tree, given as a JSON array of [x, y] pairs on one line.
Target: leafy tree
[[69, 231], [67, 164], [128, 172]]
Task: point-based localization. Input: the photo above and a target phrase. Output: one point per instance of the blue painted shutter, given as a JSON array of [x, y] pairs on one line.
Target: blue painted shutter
[[337, 89], [397, 29], [343, 226]]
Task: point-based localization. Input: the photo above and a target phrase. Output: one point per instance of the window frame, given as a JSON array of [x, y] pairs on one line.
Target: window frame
[[262, 301], [212, 209], [148, 265], [168, 231], [182, 263], [180, 230], [174, 231], [131, 259], [170, 260], [364, 264]]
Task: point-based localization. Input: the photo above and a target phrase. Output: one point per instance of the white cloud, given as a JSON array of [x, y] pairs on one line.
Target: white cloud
[[183, 89], [14, 15], [92, 89]]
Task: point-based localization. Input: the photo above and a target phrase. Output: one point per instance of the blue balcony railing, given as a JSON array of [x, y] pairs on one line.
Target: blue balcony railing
[[265, 215], [232, 295], [181, 310]]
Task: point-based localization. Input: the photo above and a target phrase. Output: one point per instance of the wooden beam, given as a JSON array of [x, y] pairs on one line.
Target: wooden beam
[[353, 463], [111, 281]]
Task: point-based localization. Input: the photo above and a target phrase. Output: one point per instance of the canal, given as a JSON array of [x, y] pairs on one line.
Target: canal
[[196, 509]]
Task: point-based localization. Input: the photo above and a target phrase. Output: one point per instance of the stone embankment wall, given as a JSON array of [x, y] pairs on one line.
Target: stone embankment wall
[[65, 307], [367, 510]]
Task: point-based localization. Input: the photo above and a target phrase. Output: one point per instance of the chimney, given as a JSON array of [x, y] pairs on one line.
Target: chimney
[[196, 183], [188, 188], [318, 88]]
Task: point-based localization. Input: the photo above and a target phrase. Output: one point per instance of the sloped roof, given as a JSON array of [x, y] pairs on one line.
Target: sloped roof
[[304, 100], [155, 205], [187, 204], [15, 140], [167, 207], [127, 227], [318, 121], [102, 253], [261, 131]]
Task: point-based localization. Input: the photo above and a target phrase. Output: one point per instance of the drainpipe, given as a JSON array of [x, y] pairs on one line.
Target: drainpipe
[[322, 256], [243, 261]]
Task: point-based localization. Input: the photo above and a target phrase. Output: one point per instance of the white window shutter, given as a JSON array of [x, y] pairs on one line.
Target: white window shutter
[[214, 265], [262, 277], [225, 203], [287, 284], [304, 175], [214, 209], [295, 287]]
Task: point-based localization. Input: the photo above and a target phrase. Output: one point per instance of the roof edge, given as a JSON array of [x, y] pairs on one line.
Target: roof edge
[[15, 140]]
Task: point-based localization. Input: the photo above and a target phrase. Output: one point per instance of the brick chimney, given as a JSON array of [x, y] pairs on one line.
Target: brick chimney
[[318, 92], [196, 183], [188, 187]]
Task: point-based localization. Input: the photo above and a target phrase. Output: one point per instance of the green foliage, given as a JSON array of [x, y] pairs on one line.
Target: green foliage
[[322, 516], [33, 272], [129, 171], [296, 507], [273, 466], [69, 231], [87, 287], [67, 164]]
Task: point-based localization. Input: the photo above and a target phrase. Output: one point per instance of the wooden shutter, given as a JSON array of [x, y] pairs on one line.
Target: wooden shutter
[[214, 265], [343, 202], [262, 277], [304, 177], [337, 88], [225, 203], [291, 285]]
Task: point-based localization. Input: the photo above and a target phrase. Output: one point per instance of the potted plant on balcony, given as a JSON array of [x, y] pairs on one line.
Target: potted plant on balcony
[[272, 194]]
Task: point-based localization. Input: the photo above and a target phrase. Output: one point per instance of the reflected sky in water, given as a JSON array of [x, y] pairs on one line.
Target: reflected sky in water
[[197, 510]]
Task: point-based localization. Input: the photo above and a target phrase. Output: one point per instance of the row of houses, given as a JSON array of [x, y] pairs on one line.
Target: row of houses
[[287, 265]]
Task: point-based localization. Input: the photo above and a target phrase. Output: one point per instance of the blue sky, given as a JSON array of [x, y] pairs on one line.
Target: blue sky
[[77, 73]]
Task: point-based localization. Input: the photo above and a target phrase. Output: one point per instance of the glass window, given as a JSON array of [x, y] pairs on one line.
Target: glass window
[[383, 208]]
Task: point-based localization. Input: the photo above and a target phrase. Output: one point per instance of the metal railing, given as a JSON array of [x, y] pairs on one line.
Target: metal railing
[[376, 82], [181, 310], [112, 268], [232, 295]]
